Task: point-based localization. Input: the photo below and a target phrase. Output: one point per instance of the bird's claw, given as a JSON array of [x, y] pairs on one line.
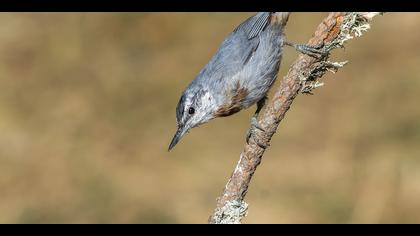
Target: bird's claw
[[252, 131], [316, 51]]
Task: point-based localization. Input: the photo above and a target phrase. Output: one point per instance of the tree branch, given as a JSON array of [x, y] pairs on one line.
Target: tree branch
[[302, 77]]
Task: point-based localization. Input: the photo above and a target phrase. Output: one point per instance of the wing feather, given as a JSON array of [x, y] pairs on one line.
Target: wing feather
[[237, 48]]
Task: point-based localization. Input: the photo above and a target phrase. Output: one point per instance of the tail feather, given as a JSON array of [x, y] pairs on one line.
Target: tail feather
[[280, 18]]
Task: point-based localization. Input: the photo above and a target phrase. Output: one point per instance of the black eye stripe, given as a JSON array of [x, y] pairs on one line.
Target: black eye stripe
[[180, 108]]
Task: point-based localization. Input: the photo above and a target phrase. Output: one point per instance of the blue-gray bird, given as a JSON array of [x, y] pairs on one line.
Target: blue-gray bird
[[239, 75]]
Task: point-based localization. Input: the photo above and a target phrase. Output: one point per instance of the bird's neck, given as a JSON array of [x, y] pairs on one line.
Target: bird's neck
[[210, 102]]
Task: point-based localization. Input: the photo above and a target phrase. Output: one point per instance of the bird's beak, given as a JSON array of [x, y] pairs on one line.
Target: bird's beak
[[178, 135]]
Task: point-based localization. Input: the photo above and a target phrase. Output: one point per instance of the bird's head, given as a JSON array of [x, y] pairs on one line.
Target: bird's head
[[195, 107]]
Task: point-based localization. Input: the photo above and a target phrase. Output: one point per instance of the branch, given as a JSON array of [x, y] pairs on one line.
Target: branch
[[302, 77]]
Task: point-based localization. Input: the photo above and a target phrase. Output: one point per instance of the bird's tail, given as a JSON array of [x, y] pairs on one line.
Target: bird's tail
[[279, 18]]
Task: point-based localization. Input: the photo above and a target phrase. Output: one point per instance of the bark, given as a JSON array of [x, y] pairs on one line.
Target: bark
[[332, 32]]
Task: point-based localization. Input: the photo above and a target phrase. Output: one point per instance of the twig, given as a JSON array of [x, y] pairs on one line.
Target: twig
[[302, 77]]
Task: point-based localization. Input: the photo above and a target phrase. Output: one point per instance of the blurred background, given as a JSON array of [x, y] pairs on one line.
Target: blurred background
[[87, 111]]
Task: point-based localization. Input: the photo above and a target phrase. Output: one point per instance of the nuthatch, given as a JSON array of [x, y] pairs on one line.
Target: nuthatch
[[239, 75]]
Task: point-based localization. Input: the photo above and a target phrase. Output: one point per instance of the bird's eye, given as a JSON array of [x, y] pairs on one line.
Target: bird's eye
[[191, 110]]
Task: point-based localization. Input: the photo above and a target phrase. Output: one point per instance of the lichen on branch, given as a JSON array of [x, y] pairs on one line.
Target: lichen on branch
[[302, 77]]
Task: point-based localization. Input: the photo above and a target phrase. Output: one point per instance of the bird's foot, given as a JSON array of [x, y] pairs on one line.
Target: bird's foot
[[316, 51], [252, 131]]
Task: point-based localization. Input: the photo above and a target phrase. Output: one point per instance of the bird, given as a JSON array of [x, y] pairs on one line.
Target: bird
[[238, 75]]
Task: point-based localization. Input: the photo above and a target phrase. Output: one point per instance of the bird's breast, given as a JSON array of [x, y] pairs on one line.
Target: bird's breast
[[234, 100]]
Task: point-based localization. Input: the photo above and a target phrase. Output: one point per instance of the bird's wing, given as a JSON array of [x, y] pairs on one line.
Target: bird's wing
[[237, 48], [255, 24]]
